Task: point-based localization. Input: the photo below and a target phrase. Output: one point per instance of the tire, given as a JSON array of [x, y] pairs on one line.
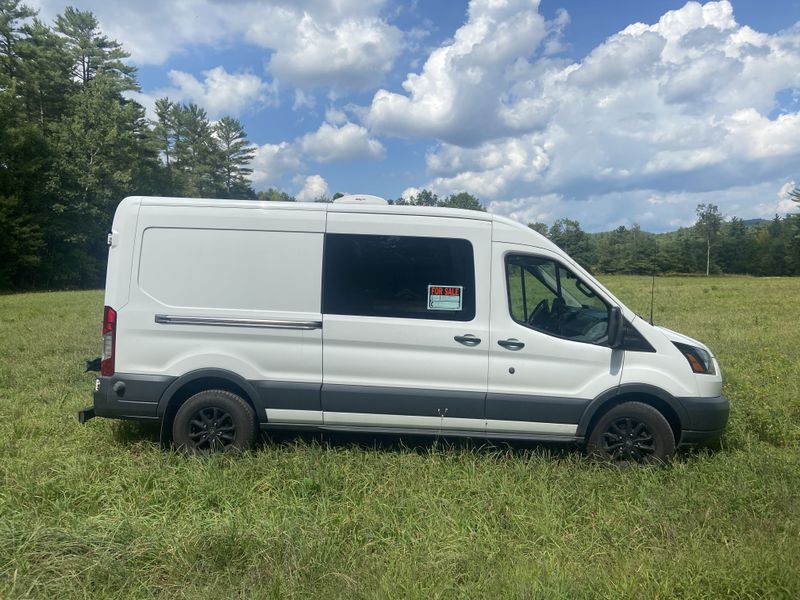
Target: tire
[[632, 433], [214, 421]]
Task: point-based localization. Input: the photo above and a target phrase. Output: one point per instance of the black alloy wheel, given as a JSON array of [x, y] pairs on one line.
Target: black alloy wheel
[[214, 421], [632, 433], [211, 428], [628, 439]]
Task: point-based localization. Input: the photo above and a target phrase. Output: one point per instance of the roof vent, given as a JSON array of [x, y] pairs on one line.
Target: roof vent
[[360, 199]]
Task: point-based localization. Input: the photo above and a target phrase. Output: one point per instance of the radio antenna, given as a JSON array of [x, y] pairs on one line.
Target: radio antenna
[[653, 262], [652, 296]]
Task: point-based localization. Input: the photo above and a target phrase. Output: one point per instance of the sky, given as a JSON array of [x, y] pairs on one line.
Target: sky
[[611, 113]]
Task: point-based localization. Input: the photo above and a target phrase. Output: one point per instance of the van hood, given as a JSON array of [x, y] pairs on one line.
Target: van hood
[[674, 336]]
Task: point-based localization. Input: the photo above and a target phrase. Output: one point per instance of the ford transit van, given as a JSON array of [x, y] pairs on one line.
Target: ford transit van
[[224, 318]]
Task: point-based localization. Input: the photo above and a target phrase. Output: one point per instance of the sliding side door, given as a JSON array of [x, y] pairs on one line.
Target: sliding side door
[[405, 321]]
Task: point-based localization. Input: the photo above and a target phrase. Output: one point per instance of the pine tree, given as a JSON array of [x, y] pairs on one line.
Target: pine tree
[[12, 16], [236, 154], [45, 74], [164, 136], [91, 52], [197, 153]]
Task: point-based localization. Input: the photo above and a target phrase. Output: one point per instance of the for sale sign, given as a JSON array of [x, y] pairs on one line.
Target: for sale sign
[[445, 297]]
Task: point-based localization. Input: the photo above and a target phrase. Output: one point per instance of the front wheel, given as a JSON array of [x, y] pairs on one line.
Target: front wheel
[[214, 421], [632, 432]]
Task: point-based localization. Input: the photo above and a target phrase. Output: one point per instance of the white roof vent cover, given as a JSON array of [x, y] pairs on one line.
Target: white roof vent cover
[[360, 199]]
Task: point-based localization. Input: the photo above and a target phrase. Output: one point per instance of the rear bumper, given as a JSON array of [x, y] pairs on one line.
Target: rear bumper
[[85, 414], [126, 396], [705, 421]]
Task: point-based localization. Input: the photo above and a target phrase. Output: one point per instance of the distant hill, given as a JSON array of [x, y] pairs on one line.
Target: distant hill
[[754, 222]]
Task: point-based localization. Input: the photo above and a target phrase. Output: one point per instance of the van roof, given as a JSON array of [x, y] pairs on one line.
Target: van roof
[[404, 209], [392, 209]]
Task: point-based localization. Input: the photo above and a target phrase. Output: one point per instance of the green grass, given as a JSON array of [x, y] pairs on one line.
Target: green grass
[[99, 510]]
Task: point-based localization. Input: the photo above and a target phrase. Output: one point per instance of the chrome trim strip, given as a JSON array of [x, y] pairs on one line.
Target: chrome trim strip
[[286, 415], [232, 322], [479, 426], [383, 420], [501, 426]]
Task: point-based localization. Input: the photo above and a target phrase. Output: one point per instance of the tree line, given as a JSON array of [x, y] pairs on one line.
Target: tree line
[[712, 245], [72, 145]]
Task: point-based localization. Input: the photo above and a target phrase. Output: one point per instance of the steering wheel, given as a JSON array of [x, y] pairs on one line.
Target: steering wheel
[[566, 317], [560, 315], [540, 314]]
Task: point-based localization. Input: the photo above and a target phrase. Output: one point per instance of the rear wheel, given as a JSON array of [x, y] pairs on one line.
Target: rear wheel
[[632, 432], [214, 421]]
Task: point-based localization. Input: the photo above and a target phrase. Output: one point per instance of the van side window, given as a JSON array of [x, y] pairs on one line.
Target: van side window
[[399, 276], [546, 296]]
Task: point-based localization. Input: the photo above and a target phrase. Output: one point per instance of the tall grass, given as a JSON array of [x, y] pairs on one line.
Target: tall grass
[[100, 511]]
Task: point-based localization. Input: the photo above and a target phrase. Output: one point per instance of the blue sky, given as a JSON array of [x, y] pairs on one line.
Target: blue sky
[[611, 113]]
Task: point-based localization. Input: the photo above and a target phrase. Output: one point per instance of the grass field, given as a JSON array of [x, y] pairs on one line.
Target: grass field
[[100, 511]]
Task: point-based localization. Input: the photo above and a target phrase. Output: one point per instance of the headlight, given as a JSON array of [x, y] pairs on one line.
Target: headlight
[[699, 359]]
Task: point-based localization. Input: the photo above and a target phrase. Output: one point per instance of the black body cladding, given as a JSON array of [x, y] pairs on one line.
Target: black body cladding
[[146, 397]]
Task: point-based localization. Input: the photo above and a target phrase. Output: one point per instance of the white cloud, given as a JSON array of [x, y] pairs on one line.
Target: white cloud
[[335, 116], [785, 191], [409, 193], [348, 142], [783, 204], [314, 43], [531, 209], [303, 100], [272, 162], [220, 92], [347, 53], [153, 31], [462, 87], [314, 186], [329, 143], [680, 108]]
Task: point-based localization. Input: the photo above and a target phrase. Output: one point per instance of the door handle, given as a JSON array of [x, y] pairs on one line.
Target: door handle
[[468, 339], [511, 344]]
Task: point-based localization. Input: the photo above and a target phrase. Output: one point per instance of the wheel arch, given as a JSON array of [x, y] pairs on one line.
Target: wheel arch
[[660, 399], [193, 382]]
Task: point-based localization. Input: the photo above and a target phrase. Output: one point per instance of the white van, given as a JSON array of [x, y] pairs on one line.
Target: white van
[[223, 317]]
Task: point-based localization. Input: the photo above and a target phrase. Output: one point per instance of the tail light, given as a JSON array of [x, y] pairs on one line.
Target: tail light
[[109, 341]]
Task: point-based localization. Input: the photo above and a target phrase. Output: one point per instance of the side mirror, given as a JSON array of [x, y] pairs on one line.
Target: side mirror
[[616, 327]]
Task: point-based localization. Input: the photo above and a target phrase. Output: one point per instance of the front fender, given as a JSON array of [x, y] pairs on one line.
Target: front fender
[[626, 389]]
